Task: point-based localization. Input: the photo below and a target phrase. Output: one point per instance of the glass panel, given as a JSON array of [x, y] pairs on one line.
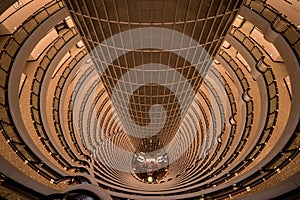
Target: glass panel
[[239, 35], [203, 10], [269, 77], [4, 114], [53, 8], [61, 82], [80, 55], [207, 26], [249, 107], [234, 65], [21, 35], [257, 54], [73, 4], [97, 29], [35, 106], [55, 103], [72, 64], [292, 35], [39, 74], [12, 47], [50, 147], [233, 107], [3, 76], [249, 119], [231, 98], [82, 7], [269, 14], [45, 62], [240, 74], [272, 90], [115, 29], [57, 93], [273, 104], [40, 130], [34, 100], [41, 16], [30, 25], [248, 43], [27, 154], [295, 143], [91, 8], [55, 114], [59, 43], [226, 56], [264, 137], [64, 163], [245, 84], [51, 53], [36, 116], [253, 152], [277, 162], [257, 6], [5, 61], [36, 87], [66, 72], [297, 48], [214, 8], [67, 36], [2, 96], [10, 132]]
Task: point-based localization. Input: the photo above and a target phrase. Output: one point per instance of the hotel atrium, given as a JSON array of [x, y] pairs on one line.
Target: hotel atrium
[[149, 99]]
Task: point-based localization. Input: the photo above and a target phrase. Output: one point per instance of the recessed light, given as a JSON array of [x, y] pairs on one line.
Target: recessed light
[[150, 179]]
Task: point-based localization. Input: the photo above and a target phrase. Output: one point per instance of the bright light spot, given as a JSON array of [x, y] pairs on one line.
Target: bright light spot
[[150, 179], [248, 189], [278, 170]]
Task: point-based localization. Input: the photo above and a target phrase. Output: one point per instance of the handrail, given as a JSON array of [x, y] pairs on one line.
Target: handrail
[[29, 25], [26, 154], [56, 102], [10, 49], [252, 48], [251, 155], [279, 23], [239, 73], [248, 43], [99, 95], [35, 96], [232, 105], [283, 158], [254, 153], [249, 108], [74, 94]]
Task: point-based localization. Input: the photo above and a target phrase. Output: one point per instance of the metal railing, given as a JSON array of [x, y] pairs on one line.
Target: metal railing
[[279, 22]]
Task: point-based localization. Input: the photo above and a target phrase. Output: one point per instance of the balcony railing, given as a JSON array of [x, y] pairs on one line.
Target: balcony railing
[[279, 23]]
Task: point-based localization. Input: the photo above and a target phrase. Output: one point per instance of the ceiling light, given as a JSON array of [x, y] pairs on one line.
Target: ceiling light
[[248, 189], [150, 179]]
